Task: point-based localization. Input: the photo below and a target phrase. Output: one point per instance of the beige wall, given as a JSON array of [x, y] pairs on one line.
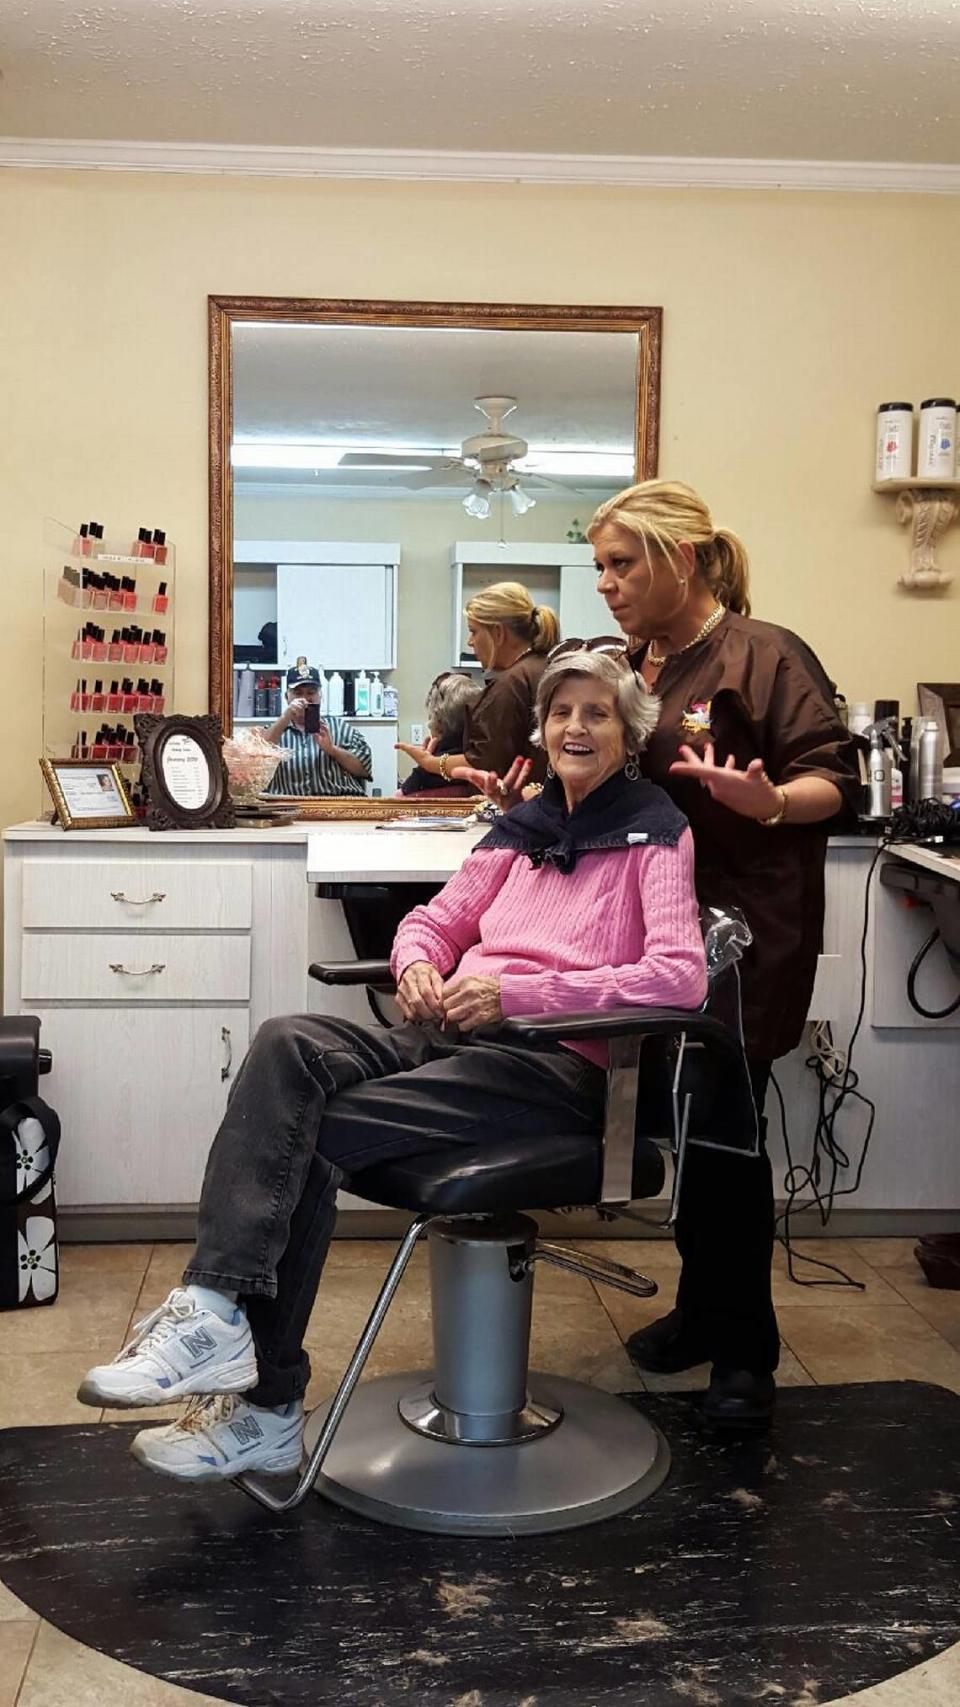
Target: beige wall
[[788, 317]]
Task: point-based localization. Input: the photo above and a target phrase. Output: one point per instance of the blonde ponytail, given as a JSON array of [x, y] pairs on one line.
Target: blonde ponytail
[[509, 603], [664, 513]]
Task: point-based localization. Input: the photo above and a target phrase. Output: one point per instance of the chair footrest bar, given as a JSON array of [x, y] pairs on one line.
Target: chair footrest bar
[[594, 1267]]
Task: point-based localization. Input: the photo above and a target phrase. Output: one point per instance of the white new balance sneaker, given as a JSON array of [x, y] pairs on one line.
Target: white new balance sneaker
[[179, 1350], [221, 1437]]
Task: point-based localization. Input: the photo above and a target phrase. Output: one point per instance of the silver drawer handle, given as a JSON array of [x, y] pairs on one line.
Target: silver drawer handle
[[227, 1067], [132, 901], [139, 971]]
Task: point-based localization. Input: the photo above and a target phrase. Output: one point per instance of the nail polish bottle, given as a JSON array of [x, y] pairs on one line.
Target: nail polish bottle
[[131, 645], [76, 696], [159, 545], [129, 695], [98, 699], [101, 592], [160, 599], [95, 531], [114, 591], [114, 700], [145, 650], [160, 646], [159, 700], [100, 749], [77, 548], [115, 648], [129, 592], [70, 586], [86, 587]]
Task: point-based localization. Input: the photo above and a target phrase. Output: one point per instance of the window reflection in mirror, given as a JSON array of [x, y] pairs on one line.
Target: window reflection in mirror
[[383, 475]]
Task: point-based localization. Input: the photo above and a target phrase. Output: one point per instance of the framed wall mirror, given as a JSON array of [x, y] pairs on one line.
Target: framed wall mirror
[[373, 464]]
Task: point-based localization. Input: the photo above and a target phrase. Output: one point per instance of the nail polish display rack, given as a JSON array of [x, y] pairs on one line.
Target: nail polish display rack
[[107, 643]]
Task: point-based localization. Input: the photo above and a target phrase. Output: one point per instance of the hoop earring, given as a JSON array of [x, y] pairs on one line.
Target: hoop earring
[[631, 769], [551, 773]]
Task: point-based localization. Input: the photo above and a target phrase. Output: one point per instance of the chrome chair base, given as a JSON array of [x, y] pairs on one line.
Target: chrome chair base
[[600, 1459]]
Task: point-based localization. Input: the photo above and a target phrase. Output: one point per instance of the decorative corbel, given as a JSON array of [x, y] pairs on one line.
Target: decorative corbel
[[930, 513]]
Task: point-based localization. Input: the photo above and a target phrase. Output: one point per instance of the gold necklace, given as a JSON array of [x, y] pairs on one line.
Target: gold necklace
[[658, 659]]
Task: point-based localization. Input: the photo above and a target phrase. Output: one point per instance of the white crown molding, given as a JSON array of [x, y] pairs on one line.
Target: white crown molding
[[440, 166]]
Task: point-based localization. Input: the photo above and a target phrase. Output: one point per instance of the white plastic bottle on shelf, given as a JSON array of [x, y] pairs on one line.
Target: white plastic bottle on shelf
[[859, 717], [391, 702], [376, 695], [361, 703], [334, 694]]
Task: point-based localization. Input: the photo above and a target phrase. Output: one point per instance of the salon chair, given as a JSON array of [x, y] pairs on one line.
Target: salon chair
[[22, 1061], [480, 1445]]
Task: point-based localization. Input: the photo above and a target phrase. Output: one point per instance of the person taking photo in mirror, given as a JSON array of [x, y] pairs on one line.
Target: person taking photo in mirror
[[327, 755], [510, 637]]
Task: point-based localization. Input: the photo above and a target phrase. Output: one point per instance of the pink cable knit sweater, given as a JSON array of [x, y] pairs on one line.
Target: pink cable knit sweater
[[621, 929]]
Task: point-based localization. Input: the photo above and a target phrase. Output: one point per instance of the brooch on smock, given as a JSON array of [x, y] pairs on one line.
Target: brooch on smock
[[696, 718]]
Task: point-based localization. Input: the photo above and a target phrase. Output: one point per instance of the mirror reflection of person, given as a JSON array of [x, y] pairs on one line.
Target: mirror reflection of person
[[611, 917], [510, 636], [334, 760], [449, 697]]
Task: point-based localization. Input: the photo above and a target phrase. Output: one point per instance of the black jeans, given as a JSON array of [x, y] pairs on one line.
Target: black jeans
[[318, 1099], [725, 1235]]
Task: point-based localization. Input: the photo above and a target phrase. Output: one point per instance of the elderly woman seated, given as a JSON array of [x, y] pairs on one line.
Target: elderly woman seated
[[581, 898], [448, 699]]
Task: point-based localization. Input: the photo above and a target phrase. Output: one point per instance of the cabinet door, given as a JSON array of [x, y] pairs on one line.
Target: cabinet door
[[140, 1093], [381, 738], [340, 616], [582, 611]]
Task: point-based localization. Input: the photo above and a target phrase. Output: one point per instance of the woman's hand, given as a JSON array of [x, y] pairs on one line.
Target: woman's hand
[[472, 1002], [505, 791], [749, 792], [420, 993], [417, 754]]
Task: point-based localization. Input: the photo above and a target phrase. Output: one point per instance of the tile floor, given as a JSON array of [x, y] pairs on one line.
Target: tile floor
[[895, 1328]]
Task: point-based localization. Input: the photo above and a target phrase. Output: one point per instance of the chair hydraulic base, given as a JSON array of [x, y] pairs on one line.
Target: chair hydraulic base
[[600, 1459]]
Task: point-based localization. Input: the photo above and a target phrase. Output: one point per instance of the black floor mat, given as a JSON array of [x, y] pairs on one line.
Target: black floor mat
[[783, 1570]]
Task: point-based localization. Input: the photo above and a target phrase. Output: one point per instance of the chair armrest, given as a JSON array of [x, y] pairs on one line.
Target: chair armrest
[[354, 972], [620, 1022]]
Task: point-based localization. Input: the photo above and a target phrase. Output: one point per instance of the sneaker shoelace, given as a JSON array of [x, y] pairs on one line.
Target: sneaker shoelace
[[204, 1410], [160, 1323]]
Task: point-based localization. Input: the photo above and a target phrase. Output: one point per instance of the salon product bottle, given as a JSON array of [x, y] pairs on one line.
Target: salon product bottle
[[349, 694], [376, 695], [333, 694], [937, 456], [260, 697], [894, 441], [80, 545], [362, 695], [159, 545], [879, 782], [160, 600], [95, 531], [859, 718], [929, 760], [391, 702]]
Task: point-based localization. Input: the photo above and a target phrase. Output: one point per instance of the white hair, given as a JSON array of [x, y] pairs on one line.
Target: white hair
[[639, 709]]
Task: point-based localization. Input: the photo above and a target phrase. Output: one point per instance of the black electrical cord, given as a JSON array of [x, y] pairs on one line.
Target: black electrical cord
[[828, 1156], [915, 965]]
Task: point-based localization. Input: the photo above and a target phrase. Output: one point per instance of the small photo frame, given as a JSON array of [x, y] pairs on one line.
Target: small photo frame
[[88, 794]]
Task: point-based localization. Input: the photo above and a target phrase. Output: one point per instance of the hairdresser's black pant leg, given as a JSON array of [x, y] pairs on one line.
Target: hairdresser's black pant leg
[[725, 1235]]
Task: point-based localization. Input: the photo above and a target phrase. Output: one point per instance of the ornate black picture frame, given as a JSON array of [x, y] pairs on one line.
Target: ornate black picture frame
[[184, 773]]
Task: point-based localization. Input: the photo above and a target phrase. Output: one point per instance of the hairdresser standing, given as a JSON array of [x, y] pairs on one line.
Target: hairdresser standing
[[510, 637], [750, 748]]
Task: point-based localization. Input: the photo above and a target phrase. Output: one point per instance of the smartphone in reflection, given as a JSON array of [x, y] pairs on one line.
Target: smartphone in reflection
[[311, 719]]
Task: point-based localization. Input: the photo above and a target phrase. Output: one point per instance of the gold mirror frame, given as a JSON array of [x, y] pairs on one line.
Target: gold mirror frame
[[319, 311]]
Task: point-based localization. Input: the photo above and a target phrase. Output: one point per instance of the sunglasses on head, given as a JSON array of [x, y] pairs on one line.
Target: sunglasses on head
[[613, 644]]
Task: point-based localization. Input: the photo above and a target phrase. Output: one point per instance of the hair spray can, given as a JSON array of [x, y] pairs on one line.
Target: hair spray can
[[929, 760]]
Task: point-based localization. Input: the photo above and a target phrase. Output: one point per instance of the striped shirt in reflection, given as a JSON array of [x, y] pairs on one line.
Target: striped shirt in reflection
[[309, 770]]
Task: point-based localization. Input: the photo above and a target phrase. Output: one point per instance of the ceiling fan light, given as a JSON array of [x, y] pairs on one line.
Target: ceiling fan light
[[477, 502], [521, 501]]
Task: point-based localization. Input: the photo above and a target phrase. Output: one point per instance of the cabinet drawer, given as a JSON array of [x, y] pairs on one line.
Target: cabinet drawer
[[135, 895], [139, 967]]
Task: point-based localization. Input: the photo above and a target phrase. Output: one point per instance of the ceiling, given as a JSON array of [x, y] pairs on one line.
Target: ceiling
[[401, 386], [831, 80]]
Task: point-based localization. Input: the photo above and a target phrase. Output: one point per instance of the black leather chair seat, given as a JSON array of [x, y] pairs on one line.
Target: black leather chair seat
[[503, 1172]]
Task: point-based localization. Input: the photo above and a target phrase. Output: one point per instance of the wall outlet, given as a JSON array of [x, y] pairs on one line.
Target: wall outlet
[[417, 735]]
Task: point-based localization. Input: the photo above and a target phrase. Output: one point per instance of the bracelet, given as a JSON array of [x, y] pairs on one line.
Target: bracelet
[[445, 767], [778, 817]]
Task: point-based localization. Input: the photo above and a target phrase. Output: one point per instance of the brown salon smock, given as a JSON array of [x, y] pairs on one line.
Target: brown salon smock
[[498, 728], [758, 692]]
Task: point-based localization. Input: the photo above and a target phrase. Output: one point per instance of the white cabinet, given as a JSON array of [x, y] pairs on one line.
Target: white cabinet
[[334, 601], [140, 1092], [339, 616]]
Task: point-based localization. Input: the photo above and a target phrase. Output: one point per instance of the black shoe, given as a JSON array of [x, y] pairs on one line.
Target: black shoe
[[736, 1398], [667, 1346]]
